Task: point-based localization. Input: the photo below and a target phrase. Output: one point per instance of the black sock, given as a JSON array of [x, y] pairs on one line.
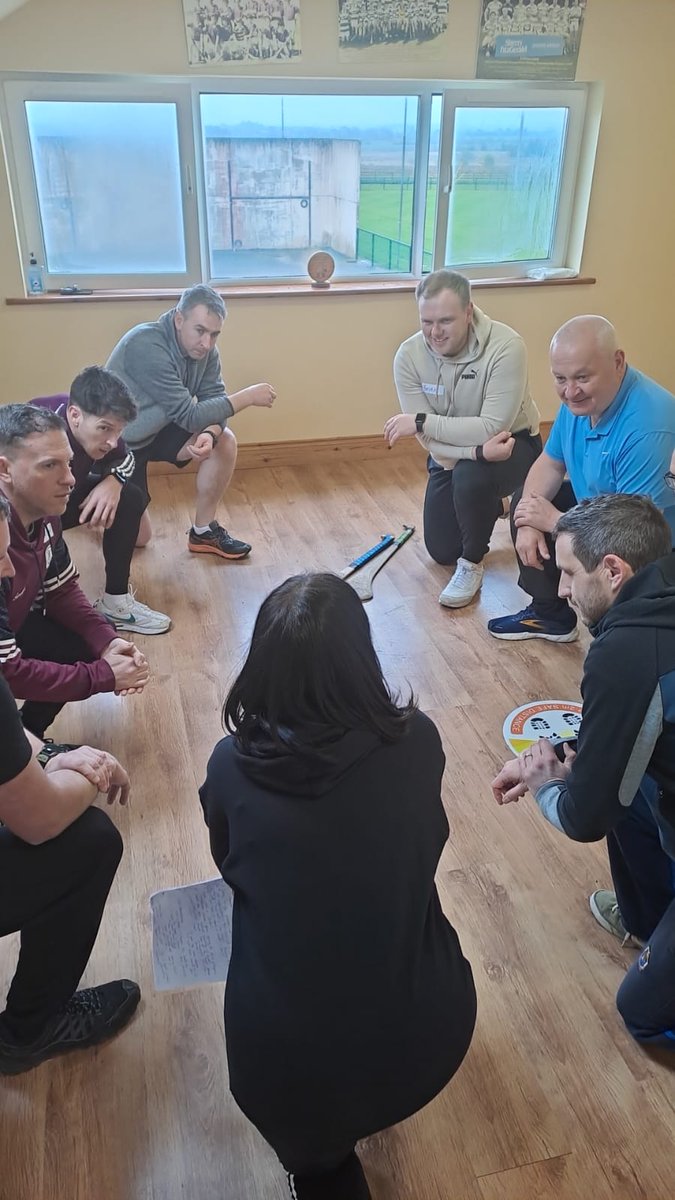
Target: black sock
[[345, 1182], [555, 610]]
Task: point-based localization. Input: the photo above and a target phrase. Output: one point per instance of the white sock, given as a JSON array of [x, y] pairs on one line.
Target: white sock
[[116, 603], [201, 528]]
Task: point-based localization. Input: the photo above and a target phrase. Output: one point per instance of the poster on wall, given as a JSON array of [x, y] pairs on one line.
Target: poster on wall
[[529, 39], [380, 29], [220, 31]]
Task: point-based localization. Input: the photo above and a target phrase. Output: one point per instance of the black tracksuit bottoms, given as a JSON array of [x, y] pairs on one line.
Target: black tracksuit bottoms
[[54, 894], [118, 541], [644, 882], [44, 639], [542, 585], [462, 505]]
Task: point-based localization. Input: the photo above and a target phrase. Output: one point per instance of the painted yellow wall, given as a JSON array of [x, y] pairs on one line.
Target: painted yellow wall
[[330, 357]]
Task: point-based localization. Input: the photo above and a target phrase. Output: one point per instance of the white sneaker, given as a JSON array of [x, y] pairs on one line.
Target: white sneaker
[[133, 616], [464, 584]]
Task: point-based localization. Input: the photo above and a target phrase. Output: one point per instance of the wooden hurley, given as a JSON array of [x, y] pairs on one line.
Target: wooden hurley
[[363, 584]]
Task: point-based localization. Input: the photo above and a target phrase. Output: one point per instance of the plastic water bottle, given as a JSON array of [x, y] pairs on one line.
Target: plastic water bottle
[[36, 279]]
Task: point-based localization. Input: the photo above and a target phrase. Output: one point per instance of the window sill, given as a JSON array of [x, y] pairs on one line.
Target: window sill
[[254, 291]]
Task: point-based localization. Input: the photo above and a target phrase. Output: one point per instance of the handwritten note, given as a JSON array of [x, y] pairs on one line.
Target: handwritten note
[[191, 934]]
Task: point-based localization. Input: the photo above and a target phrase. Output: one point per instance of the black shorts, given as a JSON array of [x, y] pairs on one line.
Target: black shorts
[[165, 447]]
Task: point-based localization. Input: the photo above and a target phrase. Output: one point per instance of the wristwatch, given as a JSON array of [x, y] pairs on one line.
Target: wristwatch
[[50, 750], [214, 437], [419, 422]]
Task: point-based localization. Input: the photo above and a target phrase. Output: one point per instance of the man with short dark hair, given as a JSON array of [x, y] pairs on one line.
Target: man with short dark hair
[[463, 389], [618, 571], [54, 646], [172, 368], [95, 413], [614, 432]]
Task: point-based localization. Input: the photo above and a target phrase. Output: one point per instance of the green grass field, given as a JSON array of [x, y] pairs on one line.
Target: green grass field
[[488, 223]]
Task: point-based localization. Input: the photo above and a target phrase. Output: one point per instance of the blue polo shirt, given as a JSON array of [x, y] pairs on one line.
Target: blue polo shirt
[[630, 448]]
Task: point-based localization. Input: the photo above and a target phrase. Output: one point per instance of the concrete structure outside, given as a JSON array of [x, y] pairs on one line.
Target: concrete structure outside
[[283, 193]]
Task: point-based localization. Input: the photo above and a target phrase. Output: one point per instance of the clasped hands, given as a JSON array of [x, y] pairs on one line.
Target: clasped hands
[[129, 666], [534, 767]]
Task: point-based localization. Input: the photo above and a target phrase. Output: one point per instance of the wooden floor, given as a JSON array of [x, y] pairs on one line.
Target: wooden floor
[[554, 1099]]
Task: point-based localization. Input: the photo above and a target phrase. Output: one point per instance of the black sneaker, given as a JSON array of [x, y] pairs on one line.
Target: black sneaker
[[89, 1017], [217, 541]]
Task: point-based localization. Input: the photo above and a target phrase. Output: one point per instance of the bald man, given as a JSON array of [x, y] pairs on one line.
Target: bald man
[[614, 432]]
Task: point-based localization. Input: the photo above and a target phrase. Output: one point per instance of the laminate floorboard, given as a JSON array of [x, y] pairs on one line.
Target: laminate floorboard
[[554, 1099]]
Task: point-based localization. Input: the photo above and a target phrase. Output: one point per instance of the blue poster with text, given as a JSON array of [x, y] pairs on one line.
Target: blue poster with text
[[529, 45]]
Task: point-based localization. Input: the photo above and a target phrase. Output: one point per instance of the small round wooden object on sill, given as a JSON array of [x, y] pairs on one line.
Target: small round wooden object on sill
[[320, 268]]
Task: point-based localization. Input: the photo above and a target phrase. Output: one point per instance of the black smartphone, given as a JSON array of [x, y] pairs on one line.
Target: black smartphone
[[559, 747]]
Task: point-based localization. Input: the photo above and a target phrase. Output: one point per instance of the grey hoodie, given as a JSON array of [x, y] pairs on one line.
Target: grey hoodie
[[165, 382], [469, 396]]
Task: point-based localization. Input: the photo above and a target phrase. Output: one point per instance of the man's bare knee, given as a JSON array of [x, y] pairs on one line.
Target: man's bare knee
[[226, 445]]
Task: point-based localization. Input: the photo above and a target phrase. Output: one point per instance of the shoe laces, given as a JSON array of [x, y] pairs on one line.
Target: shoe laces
[[464, 571], [615, 913], [75, 1019], [84, 1003]]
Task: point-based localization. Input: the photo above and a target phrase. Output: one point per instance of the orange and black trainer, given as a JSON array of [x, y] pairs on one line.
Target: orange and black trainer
[[217, 541]]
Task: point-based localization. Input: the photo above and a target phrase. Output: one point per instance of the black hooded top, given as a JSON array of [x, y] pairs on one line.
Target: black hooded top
[[628, 723], [349, 1003]]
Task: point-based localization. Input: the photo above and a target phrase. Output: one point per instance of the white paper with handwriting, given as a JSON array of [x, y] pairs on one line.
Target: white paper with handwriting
[[191, 934]]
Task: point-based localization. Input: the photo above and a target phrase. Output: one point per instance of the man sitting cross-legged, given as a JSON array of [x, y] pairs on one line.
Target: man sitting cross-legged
[[54, 646], [172, 368], [95, 413], [618, 571], [58, 859], [614, 432]]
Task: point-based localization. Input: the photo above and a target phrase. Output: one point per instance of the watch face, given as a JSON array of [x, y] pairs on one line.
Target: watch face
[[321, 266]]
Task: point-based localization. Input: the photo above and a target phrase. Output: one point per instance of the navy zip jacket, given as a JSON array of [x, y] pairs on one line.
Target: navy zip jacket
[[628, 720]]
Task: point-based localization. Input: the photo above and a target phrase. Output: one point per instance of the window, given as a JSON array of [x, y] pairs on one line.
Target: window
[[107, 177], [286, 175], [121, 185], [506, 165]]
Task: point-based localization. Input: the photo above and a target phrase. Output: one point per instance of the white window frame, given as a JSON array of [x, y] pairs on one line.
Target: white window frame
[[26, 203], [573, 98], [185, 92]]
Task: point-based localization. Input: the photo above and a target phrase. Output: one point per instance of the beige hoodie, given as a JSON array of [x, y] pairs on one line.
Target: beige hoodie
[[469, 396]]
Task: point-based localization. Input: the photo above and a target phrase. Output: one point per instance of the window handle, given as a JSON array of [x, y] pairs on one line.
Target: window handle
[[188, 180], [448, 186]]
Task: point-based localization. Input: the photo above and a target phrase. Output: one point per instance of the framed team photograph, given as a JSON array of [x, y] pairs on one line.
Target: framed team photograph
[[529, 39], [219, 31], [381, 28]]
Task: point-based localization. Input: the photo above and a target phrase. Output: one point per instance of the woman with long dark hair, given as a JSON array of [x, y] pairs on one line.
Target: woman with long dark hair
[[349, 1004]]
